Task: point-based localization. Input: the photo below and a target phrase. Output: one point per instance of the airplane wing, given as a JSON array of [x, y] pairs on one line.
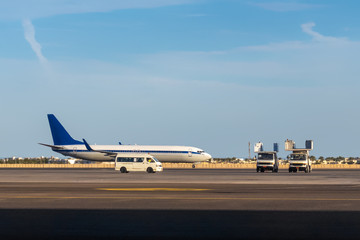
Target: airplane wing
[[52, 146], [113, 154]]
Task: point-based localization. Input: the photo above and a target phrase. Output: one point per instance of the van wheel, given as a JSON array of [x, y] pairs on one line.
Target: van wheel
[[123, 170], [149, 170]]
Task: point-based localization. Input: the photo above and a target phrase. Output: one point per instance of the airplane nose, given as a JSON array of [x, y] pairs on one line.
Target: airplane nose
[[207, 156]]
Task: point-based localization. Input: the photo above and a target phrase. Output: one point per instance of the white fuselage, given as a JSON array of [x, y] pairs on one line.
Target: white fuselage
[[162, 153]]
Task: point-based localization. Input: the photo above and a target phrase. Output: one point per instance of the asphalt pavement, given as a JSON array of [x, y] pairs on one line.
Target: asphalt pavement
[[179, 203]]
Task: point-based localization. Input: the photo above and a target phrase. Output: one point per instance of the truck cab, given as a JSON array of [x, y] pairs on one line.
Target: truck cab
[[299, 159], [267, 161]]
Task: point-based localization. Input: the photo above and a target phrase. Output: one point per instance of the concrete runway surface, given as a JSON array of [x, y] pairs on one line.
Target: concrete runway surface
[[179, 204]]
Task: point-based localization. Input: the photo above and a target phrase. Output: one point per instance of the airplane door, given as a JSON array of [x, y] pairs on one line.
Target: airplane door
[[190, 152], [74, 151]]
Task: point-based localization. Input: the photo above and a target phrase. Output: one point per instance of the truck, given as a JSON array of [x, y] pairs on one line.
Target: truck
[[299, 159], [266, 160]]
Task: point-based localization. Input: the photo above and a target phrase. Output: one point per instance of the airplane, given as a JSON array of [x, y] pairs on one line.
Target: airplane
[[68, 146]]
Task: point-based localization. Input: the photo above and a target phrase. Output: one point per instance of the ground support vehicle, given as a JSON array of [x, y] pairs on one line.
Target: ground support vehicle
[[267, 161], [137, 162], [299, 159]]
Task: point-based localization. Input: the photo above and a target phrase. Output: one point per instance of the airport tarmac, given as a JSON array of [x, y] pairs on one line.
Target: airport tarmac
[[179, 203]]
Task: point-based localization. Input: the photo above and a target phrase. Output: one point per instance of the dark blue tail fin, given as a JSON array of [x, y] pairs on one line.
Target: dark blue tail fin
[[59, 134]]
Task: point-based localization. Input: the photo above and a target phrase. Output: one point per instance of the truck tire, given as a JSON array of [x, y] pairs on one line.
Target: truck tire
[[262, 169], [123, 170], [290, 170], [257, 169], [149, 170]]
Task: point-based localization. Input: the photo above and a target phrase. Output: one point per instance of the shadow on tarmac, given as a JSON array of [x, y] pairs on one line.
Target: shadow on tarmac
[[177, 224]]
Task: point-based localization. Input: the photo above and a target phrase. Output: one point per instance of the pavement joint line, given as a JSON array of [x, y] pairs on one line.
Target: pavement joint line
[[186, 198], [155, 189]]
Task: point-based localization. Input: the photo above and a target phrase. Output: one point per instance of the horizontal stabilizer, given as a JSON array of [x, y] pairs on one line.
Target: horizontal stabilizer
[[52, 146]]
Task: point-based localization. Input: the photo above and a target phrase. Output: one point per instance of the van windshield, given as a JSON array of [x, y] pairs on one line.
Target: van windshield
[[151, 160]]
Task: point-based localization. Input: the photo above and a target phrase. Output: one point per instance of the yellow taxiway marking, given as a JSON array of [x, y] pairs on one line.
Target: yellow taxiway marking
[[154, 189], [183, 198]]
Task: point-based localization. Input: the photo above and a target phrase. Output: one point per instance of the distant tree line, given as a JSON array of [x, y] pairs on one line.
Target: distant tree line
[[27, 161]]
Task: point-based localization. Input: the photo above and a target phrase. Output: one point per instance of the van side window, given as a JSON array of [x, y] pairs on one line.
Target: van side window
[[121, 159], [139, 159]]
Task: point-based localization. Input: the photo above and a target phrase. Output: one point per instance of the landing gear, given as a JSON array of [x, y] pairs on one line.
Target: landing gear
[[194, 164]]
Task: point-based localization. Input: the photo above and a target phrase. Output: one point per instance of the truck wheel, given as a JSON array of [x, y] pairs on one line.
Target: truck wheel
[[275, 170], [257, 169], [123, 170], [262, 170], [290, 170], [149, 170]]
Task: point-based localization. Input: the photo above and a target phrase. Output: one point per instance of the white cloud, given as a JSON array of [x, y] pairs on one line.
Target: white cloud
[[19, 9], [324, 61], [29, 33], [308, 28]]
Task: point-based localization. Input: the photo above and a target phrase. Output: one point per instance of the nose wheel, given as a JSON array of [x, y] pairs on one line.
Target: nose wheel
[[193, 166]]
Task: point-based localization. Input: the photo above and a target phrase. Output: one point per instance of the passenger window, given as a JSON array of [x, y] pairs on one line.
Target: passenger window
[[140, 160], [125, 159]]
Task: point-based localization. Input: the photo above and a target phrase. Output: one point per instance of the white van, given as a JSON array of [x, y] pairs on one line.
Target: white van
[[137, 162]]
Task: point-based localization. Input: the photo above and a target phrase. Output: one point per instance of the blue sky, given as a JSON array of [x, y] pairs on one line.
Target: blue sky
[[208, 73]]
